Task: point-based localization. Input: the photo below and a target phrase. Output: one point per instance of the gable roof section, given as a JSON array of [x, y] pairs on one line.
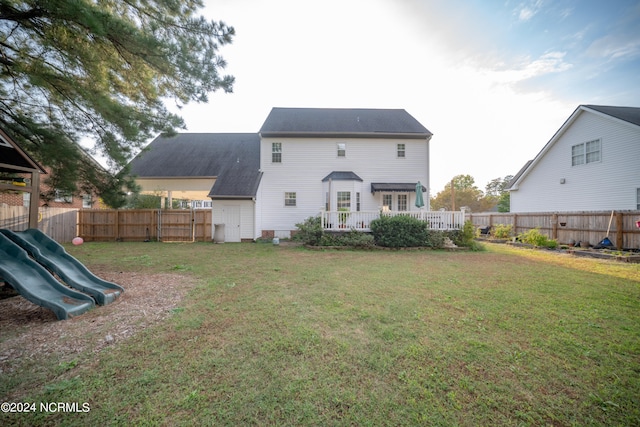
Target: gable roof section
[[630, 115], [14, 159], [232, 158], [342, 122]]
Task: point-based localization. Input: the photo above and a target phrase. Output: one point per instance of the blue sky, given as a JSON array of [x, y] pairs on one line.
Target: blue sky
[[493, 80]]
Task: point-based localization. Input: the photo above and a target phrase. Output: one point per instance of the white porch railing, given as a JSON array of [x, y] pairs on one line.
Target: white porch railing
[[361, 220]]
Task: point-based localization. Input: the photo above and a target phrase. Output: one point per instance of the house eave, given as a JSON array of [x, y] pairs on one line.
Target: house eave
[[373, 135]]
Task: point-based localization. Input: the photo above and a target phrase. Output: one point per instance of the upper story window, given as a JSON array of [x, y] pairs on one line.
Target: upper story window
[[276, 152], [638, 199], [63, 197], [342, 149], [290, 199], [401, 150], [586, 152], [87, 201]]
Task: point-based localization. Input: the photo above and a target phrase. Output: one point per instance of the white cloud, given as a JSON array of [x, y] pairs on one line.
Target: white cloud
[[612, 47], [527, 11]]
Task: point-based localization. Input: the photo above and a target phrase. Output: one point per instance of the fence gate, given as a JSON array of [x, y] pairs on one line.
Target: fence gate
[[176, 226]]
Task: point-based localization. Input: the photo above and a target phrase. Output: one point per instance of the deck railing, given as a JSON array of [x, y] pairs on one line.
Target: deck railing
[[361, 220]]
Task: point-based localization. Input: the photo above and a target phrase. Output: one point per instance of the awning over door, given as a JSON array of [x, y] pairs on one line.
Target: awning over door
[[398, 187]]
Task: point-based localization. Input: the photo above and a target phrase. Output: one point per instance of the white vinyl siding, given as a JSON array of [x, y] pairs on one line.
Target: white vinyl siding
[[607, 180], [244, 220], [309, 160]]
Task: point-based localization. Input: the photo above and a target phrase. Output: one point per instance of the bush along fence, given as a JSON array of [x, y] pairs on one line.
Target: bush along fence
[[586, 228]]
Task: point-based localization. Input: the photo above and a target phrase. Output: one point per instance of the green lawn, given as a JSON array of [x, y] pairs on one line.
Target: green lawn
[[289, 336]]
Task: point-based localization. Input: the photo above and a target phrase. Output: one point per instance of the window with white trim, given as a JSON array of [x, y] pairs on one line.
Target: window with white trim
[[402, 202], [276, 152], [586, 152], [342, 149], [401, 150], [344, 200], [290, 199], [358, 201], [638, 199], [63, 197], [87, 201]]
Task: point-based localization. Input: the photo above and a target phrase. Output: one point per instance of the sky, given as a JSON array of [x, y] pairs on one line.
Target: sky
[[493, 80]]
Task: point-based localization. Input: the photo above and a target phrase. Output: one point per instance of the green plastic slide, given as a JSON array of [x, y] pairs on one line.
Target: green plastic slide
[[37, 285], [53, 256]]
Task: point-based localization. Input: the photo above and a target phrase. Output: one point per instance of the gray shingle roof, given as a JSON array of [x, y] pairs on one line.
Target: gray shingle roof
[[352, 122], [232, 157], [628, 114], [342, 176]]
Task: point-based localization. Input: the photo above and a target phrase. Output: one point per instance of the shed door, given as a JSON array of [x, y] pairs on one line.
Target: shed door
[[231, 221]]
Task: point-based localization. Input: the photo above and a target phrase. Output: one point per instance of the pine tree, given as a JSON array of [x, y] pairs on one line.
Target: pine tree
[[74, 70]]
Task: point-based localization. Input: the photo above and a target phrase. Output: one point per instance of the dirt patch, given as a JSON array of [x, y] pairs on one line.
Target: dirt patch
[[28, 331]]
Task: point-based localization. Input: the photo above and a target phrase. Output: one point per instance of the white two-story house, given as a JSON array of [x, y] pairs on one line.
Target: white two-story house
[[303, 162], [346, 160]]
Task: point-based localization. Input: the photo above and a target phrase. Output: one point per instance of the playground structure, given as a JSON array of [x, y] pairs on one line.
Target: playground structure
[[28, 262]]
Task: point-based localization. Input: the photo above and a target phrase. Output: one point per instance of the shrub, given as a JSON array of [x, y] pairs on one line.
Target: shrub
[[502, 231], [465, 237], [310, 231], [399, 231], [536, 238]]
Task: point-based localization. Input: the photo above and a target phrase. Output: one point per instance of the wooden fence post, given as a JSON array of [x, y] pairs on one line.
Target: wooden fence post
[[619, 230], [554, 226]]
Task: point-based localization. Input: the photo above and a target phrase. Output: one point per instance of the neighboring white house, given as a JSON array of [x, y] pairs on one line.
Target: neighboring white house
[[303, 161], [592, 163]]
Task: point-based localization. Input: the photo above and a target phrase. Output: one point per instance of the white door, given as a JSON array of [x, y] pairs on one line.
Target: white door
[[231, 221]]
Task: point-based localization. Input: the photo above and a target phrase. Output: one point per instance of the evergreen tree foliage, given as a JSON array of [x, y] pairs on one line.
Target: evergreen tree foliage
[[75, 70]]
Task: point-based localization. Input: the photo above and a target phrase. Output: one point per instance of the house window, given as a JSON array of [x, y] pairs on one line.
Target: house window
[[63, 197], [402, 202], [344, 200], [638, 199], [276, 152], [289, 199], [358, 201], [387, 201], [86, 201], [342, 150], [401, 150], [26, 199], [586, 152], [326, 201]]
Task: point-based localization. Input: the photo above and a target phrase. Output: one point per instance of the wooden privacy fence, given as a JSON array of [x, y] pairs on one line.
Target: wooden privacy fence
[[137, 225], [570, 227], [58, 223]]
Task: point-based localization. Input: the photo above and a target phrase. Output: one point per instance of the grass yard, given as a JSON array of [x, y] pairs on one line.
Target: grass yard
[[287, 336]]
